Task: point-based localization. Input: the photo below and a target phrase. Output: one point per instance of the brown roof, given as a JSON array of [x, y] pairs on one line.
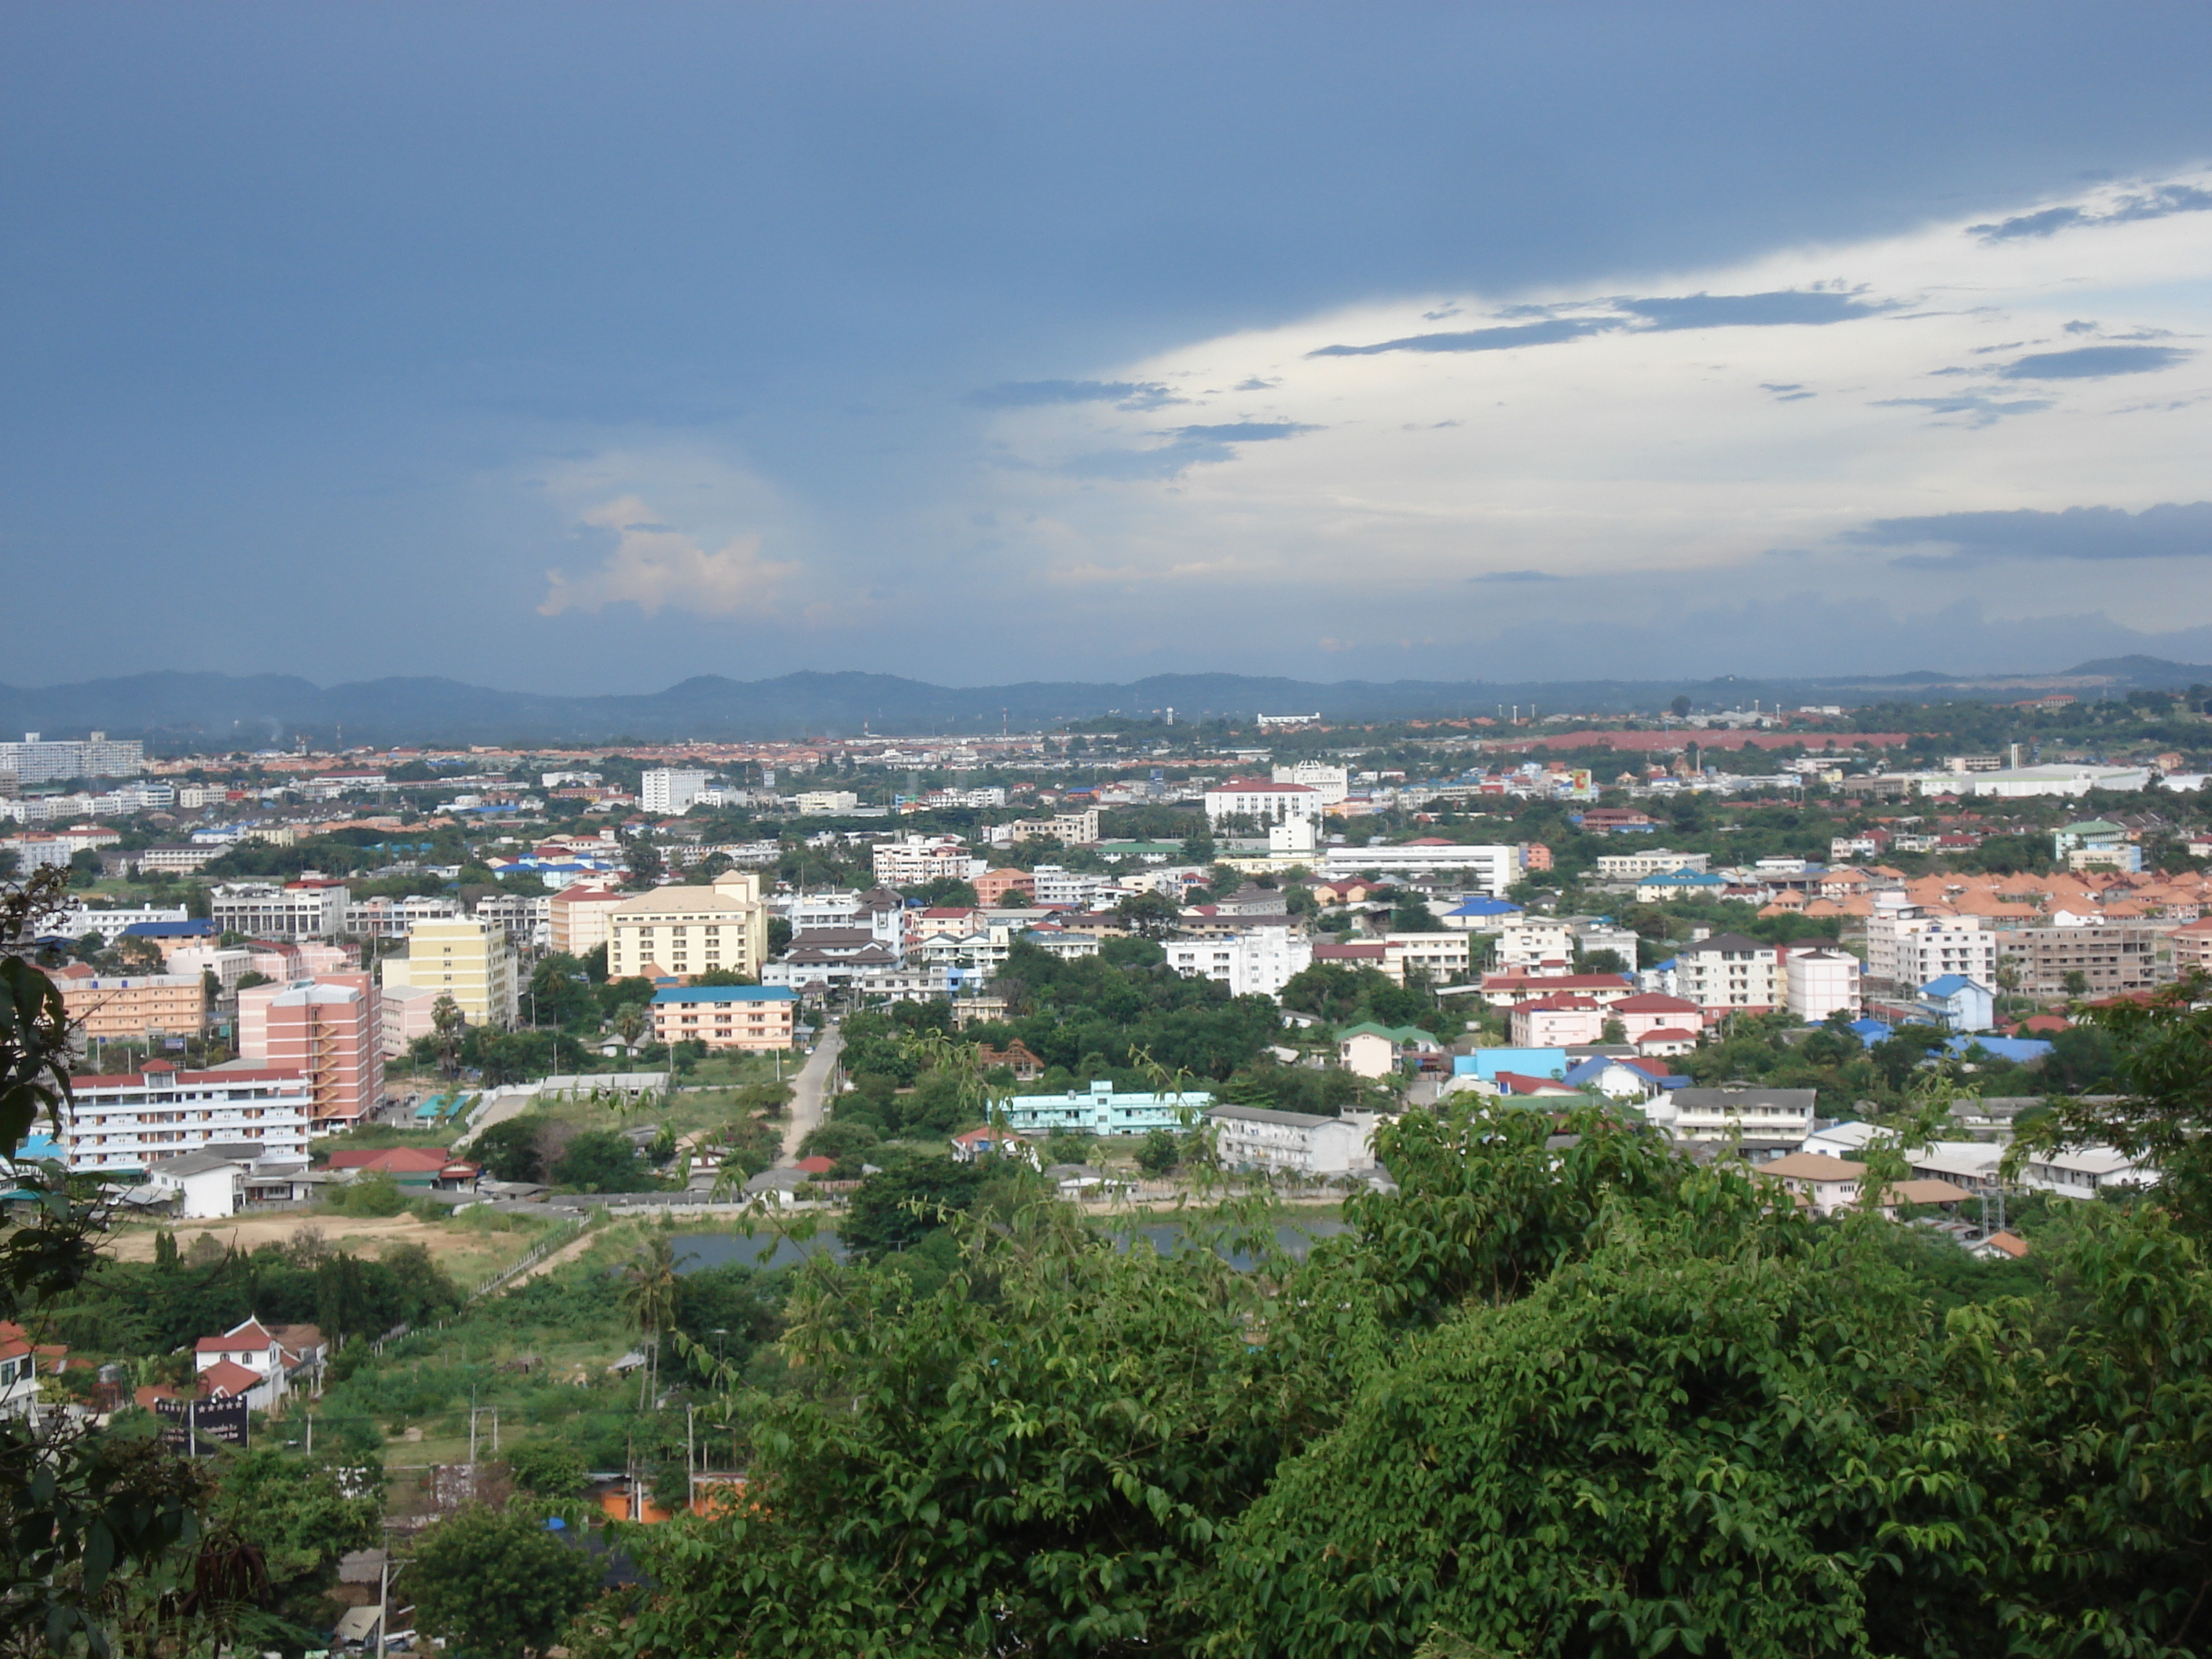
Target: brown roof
[[1811, 1166]]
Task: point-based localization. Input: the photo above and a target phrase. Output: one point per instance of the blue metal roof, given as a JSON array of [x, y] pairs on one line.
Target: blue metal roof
[[199, 929], [1948, 986]]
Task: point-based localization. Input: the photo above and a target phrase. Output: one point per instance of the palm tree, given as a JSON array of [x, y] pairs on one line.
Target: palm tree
[[648, 1297]]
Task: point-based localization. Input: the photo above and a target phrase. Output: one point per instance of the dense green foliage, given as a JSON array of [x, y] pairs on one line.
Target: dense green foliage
[[1099, 1017], [496, 1583]]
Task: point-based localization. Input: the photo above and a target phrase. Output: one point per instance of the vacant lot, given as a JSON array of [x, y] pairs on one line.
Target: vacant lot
[[471, 1251]]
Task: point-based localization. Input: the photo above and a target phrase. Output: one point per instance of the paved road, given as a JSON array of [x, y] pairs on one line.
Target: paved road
[[808, 1090]]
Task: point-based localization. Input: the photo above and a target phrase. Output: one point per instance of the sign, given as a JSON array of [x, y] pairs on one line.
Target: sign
[[197, 1427], [173, 1042]]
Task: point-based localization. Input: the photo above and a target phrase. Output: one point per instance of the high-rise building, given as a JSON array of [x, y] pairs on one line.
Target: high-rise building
[[664, 790], [330, 1030], [579, 918], [690, 930], [132, 1007], [35, 760], [471, 961]]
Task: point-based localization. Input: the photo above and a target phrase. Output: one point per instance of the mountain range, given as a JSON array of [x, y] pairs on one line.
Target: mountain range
[[178, 712]]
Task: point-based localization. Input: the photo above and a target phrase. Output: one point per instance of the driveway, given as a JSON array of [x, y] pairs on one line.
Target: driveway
[[810, 1092]]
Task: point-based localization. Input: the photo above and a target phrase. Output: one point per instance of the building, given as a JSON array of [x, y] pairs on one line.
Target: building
[[527, 918], [825, 803], [35, 760], [1491, 869], [1103, 1110], [913, 859], [999, 887], [134, 1121], [1680, 884], [2192, 946], [391, 918], [471, 961], [1907, 945], [298, 909], [752, 1018], [330, 1030], [1819, 981], [20, 1362], [1291, 1143], [2085, 1171], [405, 1014], [1825, 1184], [1737, 1112], [688, 929], [1958, 1003], [1076, 829], [1659, 861], [664, 790], [274, 1356], [1730, 974], [1262, 801], [2017, 784], [1331, 783], [179, 858], [1258, 961], [1529, 942], [2093, 844], [578, 918], [1560, 1022], [132, 1007], [112, 923], [204, 1186], [2111, 960]]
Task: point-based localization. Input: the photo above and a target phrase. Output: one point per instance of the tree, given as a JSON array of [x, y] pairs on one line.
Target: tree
[[510, 1150], [644, 860], [599, 1161], [2076, 983], [1159, 1152], [897, 1208], [1680, 706], [649, 1282], [1150, 915], [496, 1583], [548, 1468], [446, 1023]]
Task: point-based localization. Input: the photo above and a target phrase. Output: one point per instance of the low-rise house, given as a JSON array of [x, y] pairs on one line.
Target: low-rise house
[[1370, 1050], [1956, 1002], [2085, 1171], [1666, 1041], [1823, 1185], [22, 1361], [1735, 1112], [1297, 1143], [991, 1141]]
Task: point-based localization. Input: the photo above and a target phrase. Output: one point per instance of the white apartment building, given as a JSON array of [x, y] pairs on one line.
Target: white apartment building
[[34, 761], [135, 1122], [1055, 885], [391, 918], [1491, 869], [228, 966], [1653, 862], [688, 929], [664, 789], [1729, 973], [1527, 942], [82, 919], [1907, 947], [1261, 799], [1735, 1112], [1294, 1143], [576, 918], [1075, 828], [825, 803], [299, 909], [1331, 783], [1817, 984], [527, 918], [1446, 959], [1258, 962], [913, 859], [471, 961]]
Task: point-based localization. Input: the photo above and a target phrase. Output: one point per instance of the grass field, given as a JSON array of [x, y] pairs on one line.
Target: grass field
[[471, 1246]]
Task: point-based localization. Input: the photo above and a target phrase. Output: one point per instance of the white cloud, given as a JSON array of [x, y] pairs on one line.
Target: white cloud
[[655, 567], [1655, 445]]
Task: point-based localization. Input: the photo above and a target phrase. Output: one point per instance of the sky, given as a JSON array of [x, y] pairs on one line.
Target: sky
[[585, 349]]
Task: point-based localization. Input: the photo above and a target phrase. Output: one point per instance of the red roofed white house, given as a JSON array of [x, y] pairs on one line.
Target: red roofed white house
[[1653, 1012], [1263, 800], [251, 1355], [1509, 990], [1667, 1040]]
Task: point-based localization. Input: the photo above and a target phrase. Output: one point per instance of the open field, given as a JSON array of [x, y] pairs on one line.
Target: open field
[[471, 1251]]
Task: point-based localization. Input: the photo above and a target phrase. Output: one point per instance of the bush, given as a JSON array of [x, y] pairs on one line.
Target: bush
[[375, 1193]]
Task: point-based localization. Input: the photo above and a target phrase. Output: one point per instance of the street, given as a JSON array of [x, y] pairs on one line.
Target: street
[[809, 1090]]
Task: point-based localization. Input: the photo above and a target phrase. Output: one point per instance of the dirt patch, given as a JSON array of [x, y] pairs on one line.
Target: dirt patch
[[465, 1252]]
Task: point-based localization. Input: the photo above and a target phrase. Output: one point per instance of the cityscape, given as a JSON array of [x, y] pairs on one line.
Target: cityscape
[[1201, 831]]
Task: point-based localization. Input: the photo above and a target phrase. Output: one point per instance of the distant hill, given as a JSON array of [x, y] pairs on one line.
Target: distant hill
[[192, 711]]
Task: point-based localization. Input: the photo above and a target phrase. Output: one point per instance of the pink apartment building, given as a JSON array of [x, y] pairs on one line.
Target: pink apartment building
[[329, 1029]]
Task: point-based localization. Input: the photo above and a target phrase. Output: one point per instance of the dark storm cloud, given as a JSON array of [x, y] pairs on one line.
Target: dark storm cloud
[[2172, 529]]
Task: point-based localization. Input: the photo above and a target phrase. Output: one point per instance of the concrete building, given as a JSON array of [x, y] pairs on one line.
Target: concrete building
[[1825, 1184], [1658, 862], [1730, 974], [2085, 1171], [228, 965], [1819, 981], [663, 789], [1491, 869], [1529, 942], [2020, 784], [1102, 1110], [527, 918], [111, 923], [131, 1007], [1263, 800], [37, 760], [751, 1017], [1331, 783], [2095, 844], [1258, 961], [469, 961], [1907, 947], [577, 918], [405, 1013], [298, 909], [913, 859], [688, 929], [2111, 960], [1958, 1003], [1737, 1112], [134, 1121], [1290, 1143], [825, 803], [330, 1030], [391, 918]]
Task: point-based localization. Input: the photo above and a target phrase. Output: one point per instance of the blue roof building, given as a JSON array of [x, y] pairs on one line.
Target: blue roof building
[[2021, 1051], [199, 928], [1487, 1063]]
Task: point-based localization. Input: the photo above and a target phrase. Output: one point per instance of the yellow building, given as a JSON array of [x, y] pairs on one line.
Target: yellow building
[[690, 930], [471, 961]]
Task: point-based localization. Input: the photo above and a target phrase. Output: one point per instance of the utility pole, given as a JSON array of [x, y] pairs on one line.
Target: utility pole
[[472, 1435], [310, 1434], [690, 1459], [495, 1432]]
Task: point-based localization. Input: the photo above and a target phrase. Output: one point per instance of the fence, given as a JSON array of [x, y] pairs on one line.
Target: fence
[[532, 1257]]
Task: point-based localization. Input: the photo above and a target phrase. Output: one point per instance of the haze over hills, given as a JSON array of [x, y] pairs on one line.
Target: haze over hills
[[187, 711]]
